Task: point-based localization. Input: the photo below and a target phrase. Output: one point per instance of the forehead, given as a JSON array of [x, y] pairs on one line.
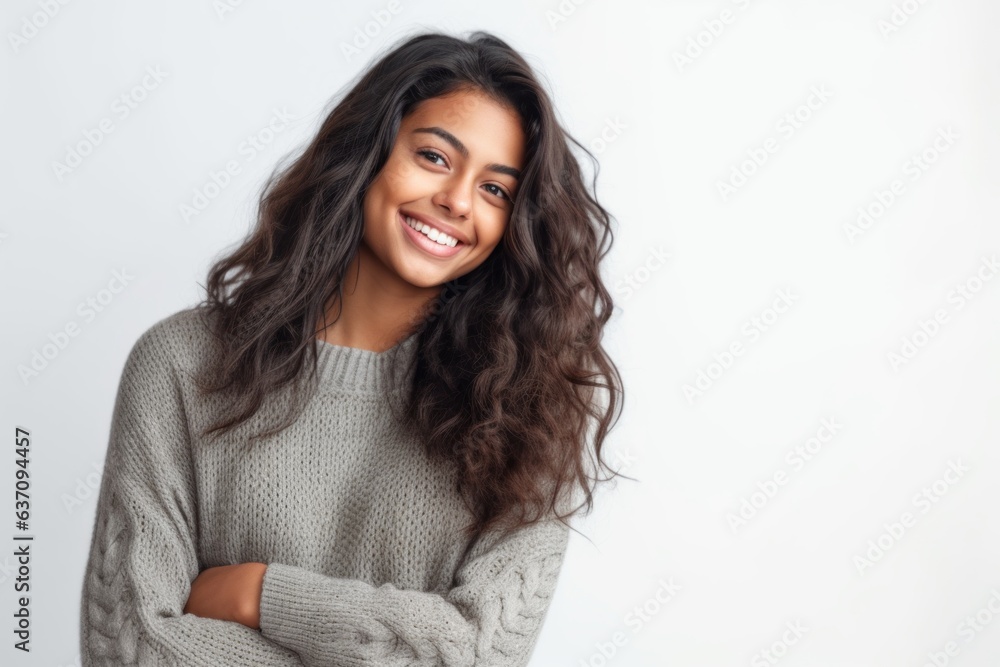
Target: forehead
[[489, 130]]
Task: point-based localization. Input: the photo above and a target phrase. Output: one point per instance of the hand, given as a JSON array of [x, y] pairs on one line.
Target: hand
[[228, 593]]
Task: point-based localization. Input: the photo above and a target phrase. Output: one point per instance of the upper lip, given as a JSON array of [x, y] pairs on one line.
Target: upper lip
[[441, 226]]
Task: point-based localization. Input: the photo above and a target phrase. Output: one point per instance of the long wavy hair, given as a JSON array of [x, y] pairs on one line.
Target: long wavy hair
[[509, 362]]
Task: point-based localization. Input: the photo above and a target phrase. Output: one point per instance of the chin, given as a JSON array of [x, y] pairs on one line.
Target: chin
[[422, 279]]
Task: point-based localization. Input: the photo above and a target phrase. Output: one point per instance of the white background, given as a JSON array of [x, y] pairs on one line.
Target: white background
[[672, 131]]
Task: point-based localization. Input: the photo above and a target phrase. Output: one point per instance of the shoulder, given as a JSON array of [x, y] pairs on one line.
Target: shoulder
[[180, 341]]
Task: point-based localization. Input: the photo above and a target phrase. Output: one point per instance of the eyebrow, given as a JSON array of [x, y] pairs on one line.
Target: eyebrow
[[460, 147]]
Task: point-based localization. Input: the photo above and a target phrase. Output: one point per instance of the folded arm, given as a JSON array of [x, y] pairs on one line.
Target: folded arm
[[492, 616]]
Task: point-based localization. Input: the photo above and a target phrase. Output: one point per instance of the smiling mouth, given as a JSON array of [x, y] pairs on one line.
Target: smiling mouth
[[432, 233]]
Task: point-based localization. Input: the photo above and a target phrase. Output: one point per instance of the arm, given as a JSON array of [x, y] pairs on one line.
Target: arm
[[492, 616], [143, 553]]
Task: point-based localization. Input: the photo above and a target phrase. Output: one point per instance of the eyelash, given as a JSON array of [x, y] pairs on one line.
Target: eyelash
[[500, 190]]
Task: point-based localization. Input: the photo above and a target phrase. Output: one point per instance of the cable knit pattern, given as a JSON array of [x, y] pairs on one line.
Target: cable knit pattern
[[359, 528]]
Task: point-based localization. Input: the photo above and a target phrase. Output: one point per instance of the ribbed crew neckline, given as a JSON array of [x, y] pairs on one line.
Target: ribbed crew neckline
[[365, 371]]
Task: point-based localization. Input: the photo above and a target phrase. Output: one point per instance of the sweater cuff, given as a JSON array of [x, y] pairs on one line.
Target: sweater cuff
[[283, 601], [297, 612]]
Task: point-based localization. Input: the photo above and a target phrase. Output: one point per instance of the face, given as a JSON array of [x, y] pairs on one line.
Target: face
[[453, 170]]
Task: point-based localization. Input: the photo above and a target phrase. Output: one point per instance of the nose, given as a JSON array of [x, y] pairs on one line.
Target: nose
[[455, 198]]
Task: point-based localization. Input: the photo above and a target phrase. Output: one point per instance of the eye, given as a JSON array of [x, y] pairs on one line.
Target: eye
[[433, 154], [430, 155], [499, 191]]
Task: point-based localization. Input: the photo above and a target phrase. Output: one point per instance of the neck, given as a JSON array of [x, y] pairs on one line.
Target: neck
[[378, 306]]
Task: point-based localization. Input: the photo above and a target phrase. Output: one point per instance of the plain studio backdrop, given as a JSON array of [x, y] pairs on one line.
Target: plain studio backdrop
[[805, 272]]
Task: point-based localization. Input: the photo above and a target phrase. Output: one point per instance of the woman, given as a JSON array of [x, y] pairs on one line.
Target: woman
[[362, 447]]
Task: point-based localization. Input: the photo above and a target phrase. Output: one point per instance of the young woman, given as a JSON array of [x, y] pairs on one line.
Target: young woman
[[362, 448]]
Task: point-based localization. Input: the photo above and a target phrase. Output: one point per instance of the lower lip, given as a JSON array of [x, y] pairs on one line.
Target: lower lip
[[427, 245]]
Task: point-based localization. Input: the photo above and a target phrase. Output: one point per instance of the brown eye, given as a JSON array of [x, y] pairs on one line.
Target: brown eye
[[499, 191], [434, 154]]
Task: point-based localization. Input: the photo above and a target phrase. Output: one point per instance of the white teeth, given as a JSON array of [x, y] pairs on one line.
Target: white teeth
[[431, 233]]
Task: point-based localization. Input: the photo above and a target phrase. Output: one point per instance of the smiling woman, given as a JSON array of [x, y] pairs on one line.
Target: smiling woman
[[442, 196], [328, 461]]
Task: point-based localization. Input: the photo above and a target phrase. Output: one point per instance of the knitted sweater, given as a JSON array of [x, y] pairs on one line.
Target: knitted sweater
[[359, 528]]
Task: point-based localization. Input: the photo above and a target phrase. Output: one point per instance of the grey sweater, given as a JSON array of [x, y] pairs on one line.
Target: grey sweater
[[358, 526]]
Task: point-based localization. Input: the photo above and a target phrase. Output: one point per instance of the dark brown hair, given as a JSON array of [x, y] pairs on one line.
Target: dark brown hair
[[507, 367]]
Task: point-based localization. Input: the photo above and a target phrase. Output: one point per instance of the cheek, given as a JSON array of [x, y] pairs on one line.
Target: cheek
[[401, 180], [494, 230], [376, 209], [371, 205]]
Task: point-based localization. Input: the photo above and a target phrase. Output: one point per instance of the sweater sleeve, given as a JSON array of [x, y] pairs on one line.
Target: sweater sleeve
[[491, 616], [143, 554]]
